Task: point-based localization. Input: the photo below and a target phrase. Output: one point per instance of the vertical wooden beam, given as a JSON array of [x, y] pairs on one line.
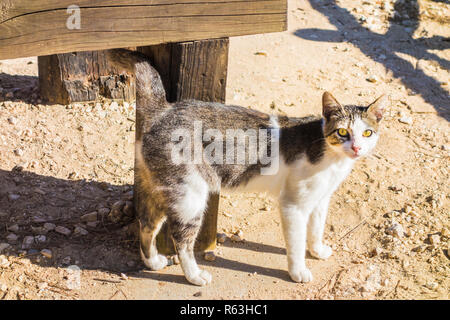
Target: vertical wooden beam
[[82, 76], [193, 70]]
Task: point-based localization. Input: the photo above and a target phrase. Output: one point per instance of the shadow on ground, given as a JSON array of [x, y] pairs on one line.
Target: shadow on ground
[[382, 48]]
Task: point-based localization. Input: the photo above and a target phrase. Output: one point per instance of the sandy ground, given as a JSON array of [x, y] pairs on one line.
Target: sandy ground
[[388, 223]]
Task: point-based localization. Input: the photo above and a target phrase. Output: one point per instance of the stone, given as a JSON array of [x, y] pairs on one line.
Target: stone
[[4, 246], [4, 261], [13, 197], [396, 230], [376, 252], [221, 237], [434, 238], [63, 230], [27, 242], [3, 287], [209, 256], [372, 78], [12, 238], [80, 231], [47, 253], [49, 226], [12, 120], [40, 238], [13, 228], [406, 120], [89, 217], [116, 215], [18, 152]]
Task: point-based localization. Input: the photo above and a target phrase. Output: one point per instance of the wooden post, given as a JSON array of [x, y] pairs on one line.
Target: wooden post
[[82, 76], [192, 70]]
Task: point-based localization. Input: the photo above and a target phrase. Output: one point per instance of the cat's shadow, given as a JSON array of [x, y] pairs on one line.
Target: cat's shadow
[[28, 200]]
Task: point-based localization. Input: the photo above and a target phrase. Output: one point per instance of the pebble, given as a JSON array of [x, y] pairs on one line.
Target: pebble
[[63, 230], [40, 238], [236, 238], [13, 197], [123, 276], [12, 120], [434, 238], [432, 285], [372, 79], [221, 237], [4, 261], [27, 242], [210, 256], [80, 231], [376, 252], [3, 287], [18, 152], [47, 253], [396, 230], [103, 212], [406, 120], [14, 228], [12, 238], [198, 294], [4, 246], [49, 226], [89, 217]]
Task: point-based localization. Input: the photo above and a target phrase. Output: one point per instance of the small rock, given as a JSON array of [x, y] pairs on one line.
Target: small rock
[[40, 238], [66, 260], [4, 261], [13, 197], [221, 237], [420, 248], [89, 217], [406, 120], [14, 228], [235, 238], [27, 242], [49, 226], [18, 152], [80, 231], [3, 287], [372, 78], [123, 276], [4, 246], [42, 285], [434, 238], [376, 252], [63, 230], [198, 294], [209, 256], [432, 285], [12, 238], [9, 95], [92, 224], [12, 120], [39, 230], [103, 212], [116, 215], [396, 230], [47, 253]]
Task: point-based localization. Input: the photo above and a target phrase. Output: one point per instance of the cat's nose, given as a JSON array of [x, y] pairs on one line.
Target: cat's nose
[[356, 149]]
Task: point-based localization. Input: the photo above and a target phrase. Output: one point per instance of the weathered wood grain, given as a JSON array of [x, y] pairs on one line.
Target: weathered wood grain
[[82, 76], [29, 27]]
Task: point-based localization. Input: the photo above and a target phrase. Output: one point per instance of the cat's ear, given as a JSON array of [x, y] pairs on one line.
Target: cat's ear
[[376, 109], [329, 104]]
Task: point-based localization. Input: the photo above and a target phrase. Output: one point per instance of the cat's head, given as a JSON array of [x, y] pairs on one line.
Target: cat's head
[[352, 130]]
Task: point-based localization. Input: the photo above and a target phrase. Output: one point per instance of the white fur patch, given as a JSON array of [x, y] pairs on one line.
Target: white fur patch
[[195, 197]]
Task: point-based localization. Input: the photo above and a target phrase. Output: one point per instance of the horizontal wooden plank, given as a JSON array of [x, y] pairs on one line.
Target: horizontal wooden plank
[[30, 27]]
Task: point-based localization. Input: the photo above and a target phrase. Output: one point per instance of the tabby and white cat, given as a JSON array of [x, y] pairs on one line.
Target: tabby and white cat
[[315, 155]]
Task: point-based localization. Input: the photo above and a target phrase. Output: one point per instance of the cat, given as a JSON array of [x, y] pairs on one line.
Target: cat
[[314, 155]]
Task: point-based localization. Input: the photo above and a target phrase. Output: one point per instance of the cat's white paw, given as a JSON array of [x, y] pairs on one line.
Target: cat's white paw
[[322, 252], [302, 275], [155, 263], [202, 278]]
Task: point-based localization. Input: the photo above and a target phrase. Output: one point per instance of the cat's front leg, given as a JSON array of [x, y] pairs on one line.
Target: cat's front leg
[[316, 226], [294, 222]]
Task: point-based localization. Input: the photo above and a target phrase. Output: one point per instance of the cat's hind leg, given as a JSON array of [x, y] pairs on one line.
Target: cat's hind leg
[[316, 226], [185, 224], [149, 229]]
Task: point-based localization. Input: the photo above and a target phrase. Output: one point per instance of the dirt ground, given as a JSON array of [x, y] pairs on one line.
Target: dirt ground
[[388, 223]]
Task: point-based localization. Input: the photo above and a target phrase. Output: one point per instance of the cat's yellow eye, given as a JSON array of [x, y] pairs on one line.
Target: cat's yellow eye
[[367, 133], [342, 132]]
